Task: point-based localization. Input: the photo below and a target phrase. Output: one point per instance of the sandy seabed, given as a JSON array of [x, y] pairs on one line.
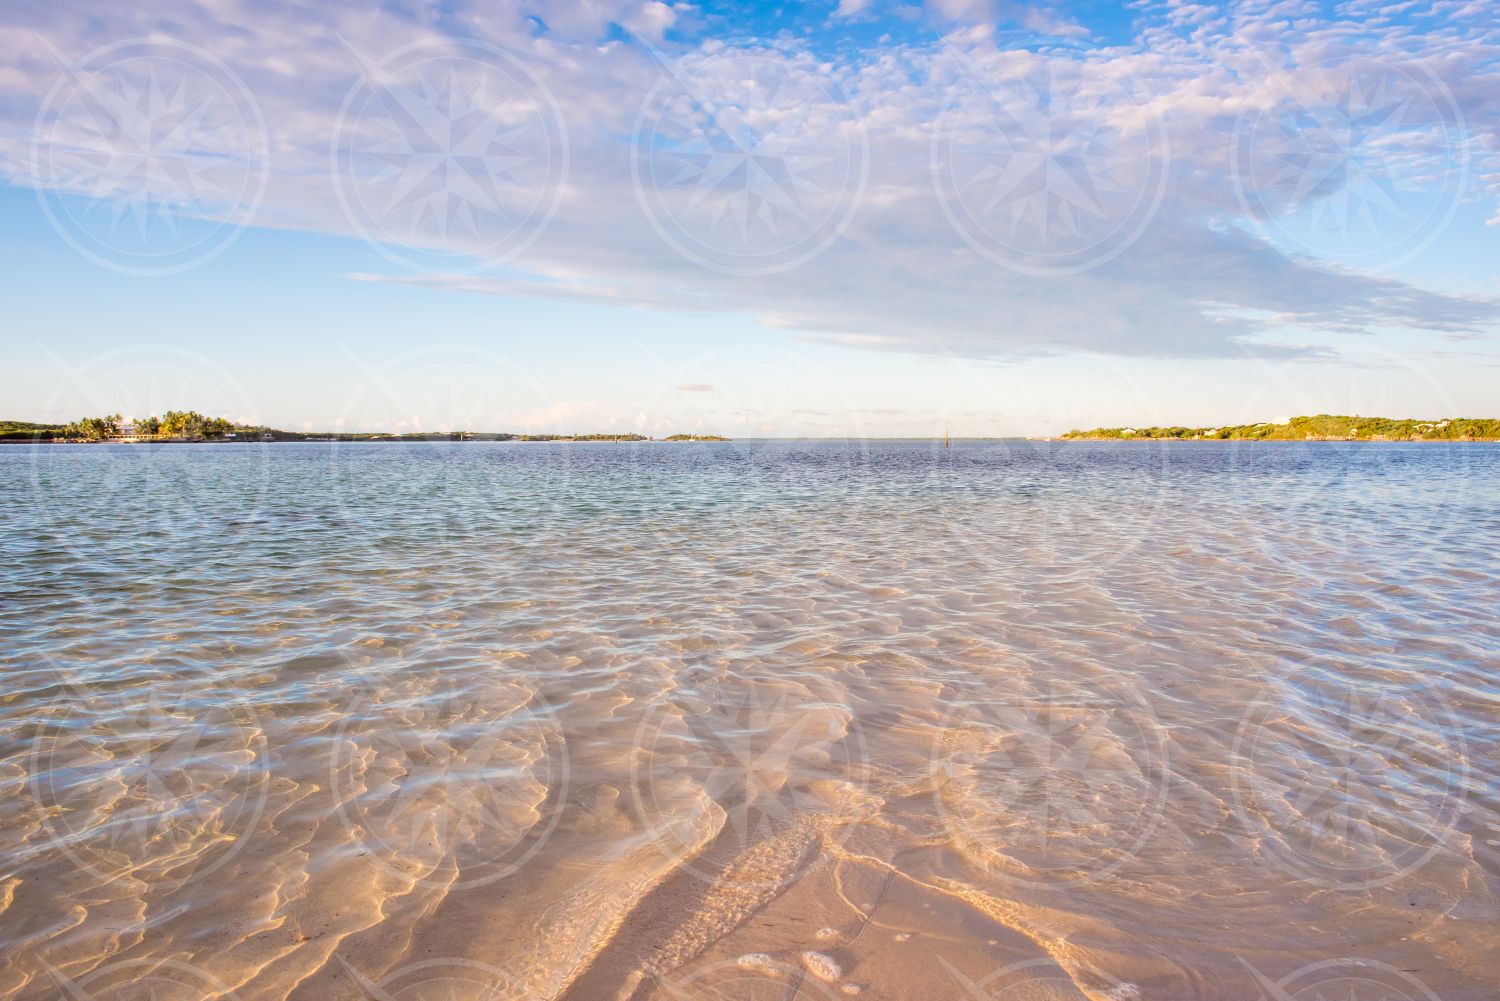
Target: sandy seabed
[[425, 723]]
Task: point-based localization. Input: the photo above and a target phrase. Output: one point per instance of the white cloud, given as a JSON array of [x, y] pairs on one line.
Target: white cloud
[[1219, 262], [850, 8]]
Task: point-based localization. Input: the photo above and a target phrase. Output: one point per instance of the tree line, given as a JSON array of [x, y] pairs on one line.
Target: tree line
[[1322, 426], [172, 424]]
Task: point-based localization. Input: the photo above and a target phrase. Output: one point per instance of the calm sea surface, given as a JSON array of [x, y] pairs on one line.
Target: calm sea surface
[[750, 720]]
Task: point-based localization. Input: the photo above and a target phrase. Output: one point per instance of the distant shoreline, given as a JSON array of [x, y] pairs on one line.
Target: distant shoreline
[[1286, 441], [189, 427], [361, 440], [1319, 428]]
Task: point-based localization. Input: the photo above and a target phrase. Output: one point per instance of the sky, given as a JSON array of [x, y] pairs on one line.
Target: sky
[[851, 218]]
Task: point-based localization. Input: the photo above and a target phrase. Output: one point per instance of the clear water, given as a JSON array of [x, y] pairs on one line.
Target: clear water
[[1010, 719]]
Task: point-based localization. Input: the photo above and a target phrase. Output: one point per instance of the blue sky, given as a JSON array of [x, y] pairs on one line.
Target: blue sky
[[826, 219]]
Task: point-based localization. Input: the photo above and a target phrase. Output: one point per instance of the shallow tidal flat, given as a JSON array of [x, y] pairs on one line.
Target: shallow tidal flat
[[750, 720]]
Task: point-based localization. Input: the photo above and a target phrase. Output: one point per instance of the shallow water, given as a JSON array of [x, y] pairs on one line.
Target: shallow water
[[578, 721]]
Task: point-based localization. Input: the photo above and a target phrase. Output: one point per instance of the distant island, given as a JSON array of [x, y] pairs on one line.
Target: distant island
[[191, 426], [1323, 427]]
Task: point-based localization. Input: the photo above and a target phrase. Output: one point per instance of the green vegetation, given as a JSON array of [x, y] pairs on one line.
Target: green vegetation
[[174, 425], [694, 437], [1323, 427], [25, 431], [94, 428], [572, 437], [190, 424]]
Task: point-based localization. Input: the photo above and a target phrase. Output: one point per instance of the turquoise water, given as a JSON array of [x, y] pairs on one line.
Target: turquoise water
[[1104, 720]]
